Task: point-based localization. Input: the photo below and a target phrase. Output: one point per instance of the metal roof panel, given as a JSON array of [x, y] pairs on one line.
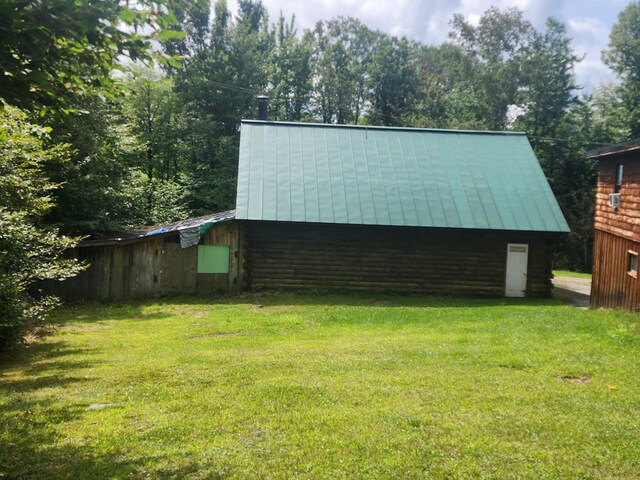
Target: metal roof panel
[[393, 176]]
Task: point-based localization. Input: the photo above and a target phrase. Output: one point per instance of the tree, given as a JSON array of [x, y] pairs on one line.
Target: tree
[[52, 50], [29, 251], [343, 50], [548, 85], [92, 195], [623, 56], [392, 82], [498, 44], [446, 97], [289, 72], [156, 122], [217, 86]]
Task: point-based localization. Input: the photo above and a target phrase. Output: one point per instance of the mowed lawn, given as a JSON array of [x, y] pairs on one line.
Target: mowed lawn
[[324, 386]]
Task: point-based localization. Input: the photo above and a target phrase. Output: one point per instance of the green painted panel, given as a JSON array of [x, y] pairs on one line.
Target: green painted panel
[[213, 259], [303, 172]]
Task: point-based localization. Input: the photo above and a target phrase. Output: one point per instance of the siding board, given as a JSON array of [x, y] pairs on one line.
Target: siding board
[[612, 286]]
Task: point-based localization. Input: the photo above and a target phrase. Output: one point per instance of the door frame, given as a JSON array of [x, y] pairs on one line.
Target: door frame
[[510, 292]]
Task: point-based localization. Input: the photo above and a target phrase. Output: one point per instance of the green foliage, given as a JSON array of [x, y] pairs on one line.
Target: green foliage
[[29, 251], [623, 56], [289, 73], [499, 45], [343, 50], [446, 89], [89, 197], [316, 387], [392, 82], [217, 85], [53, 50]]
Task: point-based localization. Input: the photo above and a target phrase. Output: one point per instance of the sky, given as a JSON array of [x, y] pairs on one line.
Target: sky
[[588, 22]]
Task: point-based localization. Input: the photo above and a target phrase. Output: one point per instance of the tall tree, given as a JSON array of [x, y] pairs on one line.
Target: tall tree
[[289, 72], [548, 85], [499, 43], [217, 85], [393, 81], [343, 52], [623, 56], [446, 96]]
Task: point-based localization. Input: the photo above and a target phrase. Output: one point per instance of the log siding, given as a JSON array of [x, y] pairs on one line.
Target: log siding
[[623, 221], [403, 259]]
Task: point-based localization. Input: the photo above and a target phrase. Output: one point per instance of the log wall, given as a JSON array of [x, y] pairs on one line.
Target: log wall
[[350, 257], [612, 286]]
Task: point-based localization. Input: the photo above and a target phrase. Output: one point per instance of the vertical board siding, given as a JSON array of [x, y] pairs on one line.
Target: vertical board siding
[[354, 257], [612, 286], [149, 268]]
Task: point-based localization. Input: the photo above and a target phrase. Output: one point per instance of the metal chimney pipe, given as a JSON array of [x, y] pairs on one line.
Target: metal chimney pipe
[[263, 107]]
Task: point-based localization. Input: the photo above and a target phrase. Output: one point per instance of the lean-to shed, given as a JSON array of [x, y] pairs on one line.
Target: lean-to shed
[[411, 210], [199, 255]]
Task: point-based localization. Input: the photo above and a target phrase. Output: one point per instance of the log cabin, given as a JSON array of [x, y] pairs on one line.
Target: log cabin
[[409, 210], [336, 207], [617, 227]]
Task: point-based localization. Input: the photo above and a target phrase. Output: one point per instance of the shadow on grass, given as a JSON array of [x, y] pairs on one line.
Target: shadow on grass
[[31, 416], [571, 297], [135, 308], [32, 449], [385, 300]]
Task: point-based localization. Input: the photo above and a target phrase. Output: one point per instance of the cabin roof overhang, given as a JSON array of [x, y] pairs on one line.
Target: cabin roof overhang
[[615, 149]]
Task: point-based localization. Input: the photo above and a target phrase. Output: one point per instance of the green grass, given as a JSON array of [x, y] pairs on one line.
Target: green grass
[[566, 273], [313, 386]]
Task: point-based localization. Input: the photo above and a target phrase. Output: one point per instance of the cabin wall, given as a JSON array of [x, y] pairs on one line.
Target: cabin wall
[[152, 267], [612, 285], [350, 257], [625, 220]]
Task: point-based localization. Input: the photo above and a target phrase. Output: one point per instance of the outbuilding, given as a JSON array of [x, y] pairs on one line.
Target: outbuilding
[[410, 210], [381, 209], [617, 227]]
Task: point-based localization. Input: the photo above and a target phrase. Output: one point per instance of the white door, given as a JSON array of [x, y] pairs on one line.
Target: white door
[[517, 261]]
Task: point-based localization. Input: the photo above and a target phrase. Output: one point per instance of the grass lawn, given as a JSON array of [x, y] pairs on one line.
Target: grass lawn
[[566, 273], [312, 386]]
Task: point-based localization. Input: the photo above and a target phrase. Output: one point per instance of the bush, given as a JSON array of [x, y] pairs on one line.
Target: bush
[[29, 250]]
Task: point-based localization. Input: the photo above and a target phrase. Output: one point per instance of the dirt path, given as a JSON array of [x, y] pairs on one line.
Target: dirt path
[[574, 291]]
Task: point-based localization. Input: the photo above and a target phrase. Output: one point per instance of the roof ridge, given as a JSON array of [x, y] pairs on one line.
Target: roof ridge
[[378, 127]]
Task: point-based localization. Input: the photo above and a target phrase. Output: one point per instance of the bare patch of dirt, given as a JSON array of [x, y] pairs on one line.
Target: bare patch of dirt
[[581, 380], [218, 334]]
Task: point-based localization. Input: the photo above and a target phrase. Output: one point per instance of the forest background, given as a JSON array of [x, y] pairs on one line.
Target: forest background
[[115, 116]]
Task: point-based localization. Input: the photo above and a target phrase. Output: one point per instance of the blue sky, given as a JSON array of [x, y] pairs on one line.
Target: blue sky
[[588, 22]]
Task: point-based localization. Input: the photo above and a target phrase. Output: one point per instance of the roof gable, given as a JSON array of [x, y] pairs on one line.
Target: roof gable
[[391, 176]]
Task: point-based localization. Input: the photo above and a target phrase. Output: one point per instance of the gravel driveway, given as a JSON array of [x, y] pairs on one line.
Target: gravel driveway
[[574, 291]]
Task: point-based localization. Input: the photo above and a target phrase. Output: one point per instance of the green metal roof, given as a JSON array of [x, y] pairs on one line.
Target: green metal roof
[[300, 172]]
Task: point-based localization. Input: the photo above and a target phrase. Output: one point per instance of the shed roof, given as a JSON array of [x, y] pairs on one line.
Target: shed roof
[[302, 172], [193, 226]]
